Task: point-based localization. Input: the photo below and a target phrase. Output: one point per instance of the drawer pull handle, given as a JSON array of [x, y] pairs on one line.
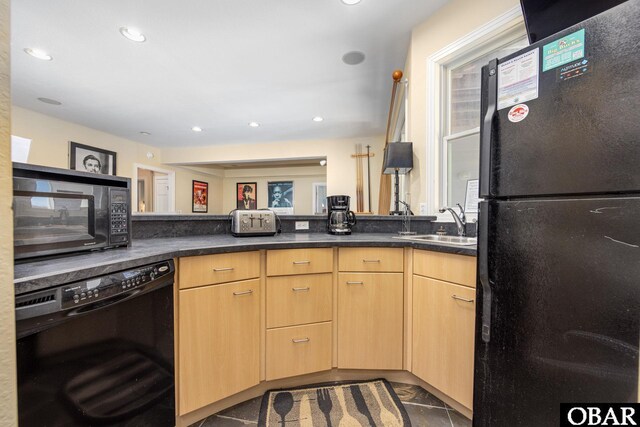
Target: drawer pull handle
[[250, 291], [301, 340], [300, 289], [461, 299], [371, 260], [301, 262], [217, 270], [355, 283]]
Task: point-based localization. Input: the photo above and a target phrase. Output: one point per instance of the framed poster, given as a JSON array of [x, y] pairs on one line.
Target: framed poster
[[246, 195], [472, 197], [91, 159], [200, 191], [281, 197]]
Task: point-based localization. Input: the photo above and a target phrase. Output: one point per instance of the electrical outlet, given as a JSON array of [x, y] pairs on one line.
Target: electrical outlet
[[302, 225], [423, 209]]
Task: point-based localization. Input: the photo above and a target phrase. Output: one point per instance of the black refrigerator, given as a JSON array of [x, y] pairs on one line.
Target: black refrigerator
[[558, 313]]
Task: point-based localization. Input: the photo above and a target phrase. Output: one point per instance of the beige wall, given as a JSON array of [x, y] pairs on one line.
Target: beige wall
[[453, 21], [50, 147], [302, 176], [8, 400], [340, 169]]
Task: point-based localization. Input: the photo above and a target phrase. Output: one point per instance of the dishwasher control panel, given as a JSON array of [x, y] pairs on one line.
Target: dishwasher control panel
[[99, 288]]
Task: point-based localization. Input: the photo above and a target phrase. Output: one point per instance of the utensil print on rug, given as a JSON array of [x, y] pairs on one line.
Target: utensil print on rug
[[347, 420], [305, 412], [361, 403], [387, 418], [283, 404], [324, 403]]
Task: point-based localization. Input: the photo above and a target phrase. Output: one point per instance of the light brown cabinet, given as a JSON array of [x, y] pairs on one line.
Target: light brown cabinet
[[298, 350], [299, 299], [299, 311], [370, 316], [282, 262], [443, 324], [218, 342], [371, 259], [219, 268]]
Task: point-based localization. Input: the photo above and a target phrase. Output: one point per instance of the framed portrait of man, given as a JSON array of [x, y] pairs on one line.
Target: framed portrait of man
[[90, 159], [246, 195], [200, 191], [281, 197]]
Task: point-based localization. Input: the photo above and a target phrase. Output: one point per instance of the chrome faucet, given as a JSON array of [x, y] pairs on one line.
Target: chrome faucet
[[461, 220]]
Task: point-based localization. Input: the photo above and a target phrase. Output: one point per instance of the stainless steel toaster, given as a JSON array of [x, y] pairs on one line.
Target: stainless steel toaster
[[253, 222]]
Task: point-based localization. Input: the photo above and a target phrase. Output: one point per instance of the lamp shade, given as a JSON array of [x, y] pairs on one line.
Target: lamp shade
[[398, 155]]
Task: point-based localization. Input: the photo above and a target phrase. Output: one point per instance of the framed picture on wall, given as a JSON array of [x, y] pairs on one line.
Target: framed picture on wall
[[200, 191], [91, 159], [246, 195], [281, 197]]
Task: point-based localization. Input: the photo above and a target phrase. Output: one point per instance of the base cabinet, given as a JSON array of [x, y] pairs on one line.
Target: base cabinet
[[443, 336], [219, 342], [370, 316]]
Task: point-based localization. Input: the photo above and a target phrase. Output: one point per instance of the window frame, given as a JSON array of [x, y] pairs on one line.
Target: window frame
[[500, 31]]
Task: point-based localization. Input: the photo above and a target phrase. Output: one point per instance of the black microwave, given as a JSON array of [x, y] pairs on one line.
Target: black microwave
[[59, 211]]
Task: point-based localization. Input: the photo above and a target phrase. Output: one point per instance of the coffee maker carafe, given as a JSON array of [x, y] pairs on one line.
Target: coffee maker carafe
[[339, 219]]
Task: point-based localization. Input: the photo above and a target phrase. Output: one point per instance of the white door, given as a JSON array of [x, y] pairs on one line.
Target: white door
[[161, 193]]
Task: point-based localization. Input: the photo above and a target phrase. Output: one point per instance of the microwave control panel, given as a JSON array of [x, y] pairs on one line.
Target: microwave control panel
[[119, 215]]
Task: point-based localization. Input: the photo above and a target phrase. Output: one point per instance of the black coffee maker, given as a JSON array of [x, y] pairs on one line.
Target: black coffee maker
[[339, 218]]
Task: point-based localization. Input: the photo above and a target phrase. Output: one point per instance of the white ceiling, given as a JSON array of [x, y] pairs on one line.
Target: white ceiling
[[217, 64]]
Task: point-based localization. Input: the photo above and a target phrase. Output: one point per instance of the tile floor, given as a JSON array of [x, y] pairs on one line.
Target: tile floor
[[424, 409]]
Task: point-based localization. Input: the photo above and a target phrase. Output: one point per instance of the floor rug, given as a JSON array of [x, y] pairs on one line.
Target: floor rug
[[344, 404]]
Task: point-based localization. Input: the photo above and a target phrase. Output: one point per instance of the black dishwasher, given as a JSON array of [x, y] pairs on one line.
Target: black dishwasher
[[98, 351]]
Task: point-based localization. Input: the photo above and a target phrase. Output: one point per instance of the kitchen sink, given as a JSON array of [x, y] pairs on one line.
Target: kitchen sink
[[451, 240]]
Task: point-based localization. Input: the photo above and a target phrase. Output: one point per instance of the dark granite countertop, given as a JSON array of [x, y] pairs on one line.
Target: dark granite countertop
[[32, 276]]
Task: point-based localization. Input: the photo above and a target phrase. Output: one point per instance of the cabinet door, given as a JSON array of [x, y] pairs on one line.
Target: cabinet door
[[219, 342], [370, 312], [443, 336]]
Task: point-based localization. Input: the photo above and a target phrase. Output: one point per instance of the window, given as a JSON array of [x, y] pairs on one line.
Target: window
[[460, 143], [453, 107]]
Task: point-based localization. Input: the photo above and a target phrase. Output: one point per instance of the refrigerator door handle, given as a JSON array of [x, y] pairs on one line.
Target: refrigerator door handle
[[483, 270], [491, 77]]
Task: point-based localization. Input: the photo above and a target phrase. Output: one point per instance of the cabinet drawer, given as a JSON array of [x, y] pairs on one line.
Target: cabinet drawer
[[299, 261], [298, 350], [459, 269], [300, 299], [371, 259], [218, 268]]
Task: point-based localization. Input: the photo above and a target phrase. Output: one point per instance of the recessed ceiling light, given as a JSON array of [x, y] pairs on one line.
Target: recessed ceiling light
[[254, 124], [40, 54], [350, 2], [196, 129], [353, 58], [49, 101], [132, 34], [317, 119], [145, 133]]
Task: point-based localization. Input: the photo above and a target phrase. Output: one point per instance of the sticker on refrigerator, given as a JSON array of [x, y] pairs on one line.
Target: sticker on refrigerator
[[562, 51], [518, 79], [518, 113], [575, 69]]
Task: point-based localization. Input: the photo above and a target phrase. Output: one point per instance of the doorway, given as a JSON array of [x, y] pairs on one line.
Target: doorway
[[154, 190]]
